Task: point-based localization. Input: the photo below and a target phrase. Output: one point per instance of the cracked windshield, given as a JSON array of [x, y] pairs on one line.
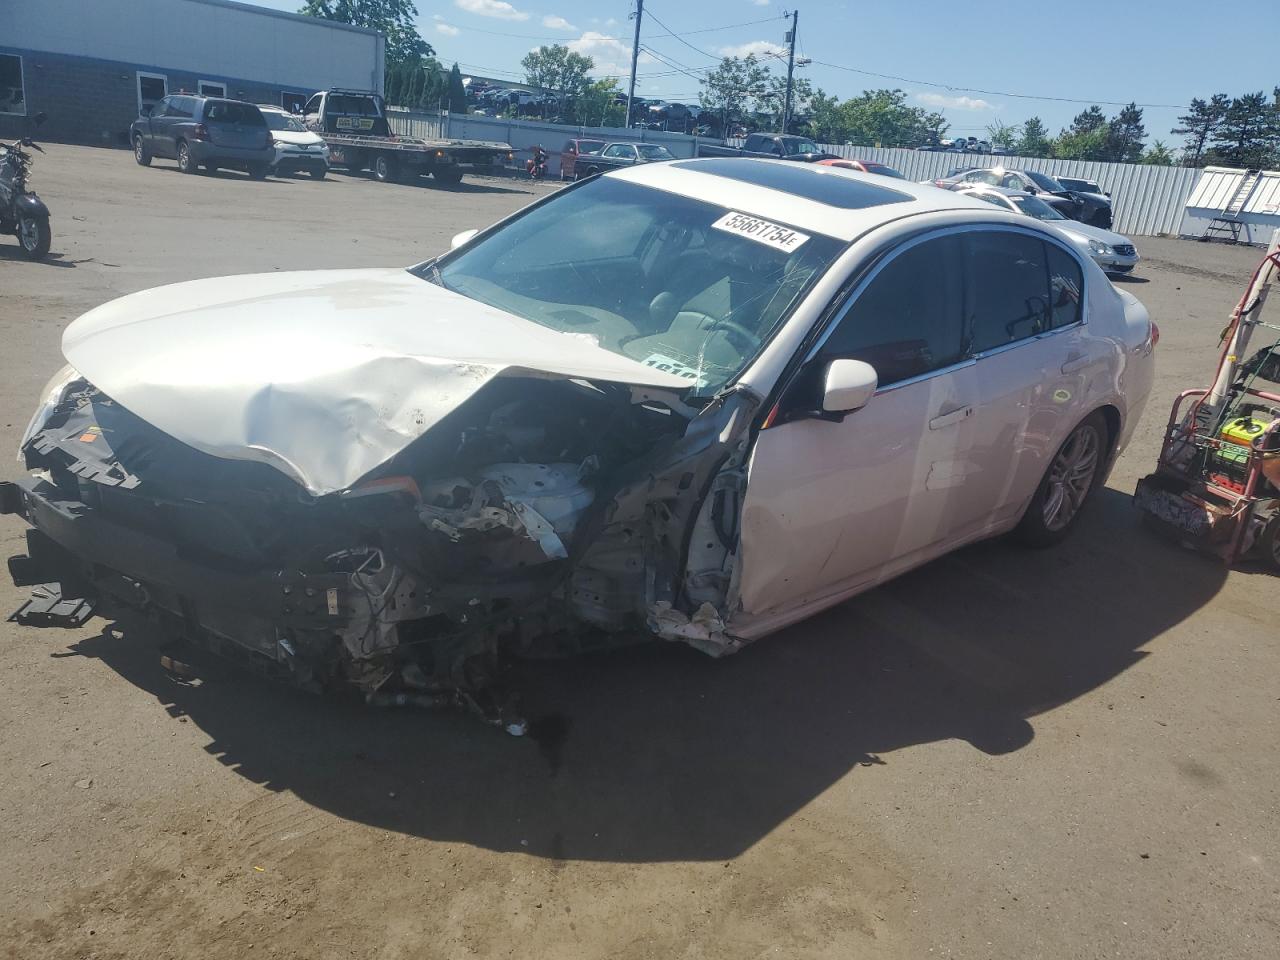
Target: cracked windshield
[[673, 283]]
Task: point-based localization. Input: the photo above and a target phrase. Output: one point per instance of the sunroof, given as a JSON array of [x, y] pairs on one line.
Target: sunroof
[[801, 180]]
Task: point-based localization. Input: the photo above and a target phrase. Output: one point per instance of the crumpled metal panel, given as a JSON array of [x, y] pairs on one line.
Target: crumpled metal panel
[[323, 375]]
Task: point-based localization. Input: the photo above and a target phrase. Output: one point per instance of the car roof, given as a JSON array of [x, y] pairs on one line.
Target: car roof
[[991, 188], [796, 194]]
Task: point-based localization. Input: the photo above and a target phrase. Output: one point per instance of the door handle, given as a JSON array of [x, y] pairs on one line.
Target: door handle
[[950, 417], [1076, 361]]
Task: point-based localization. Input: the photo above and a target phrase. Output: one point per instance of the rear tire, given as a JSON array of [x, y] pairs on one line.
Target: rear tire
[[141, 155], [34, 237], [1076, 470], [385, 169], [185, 163]]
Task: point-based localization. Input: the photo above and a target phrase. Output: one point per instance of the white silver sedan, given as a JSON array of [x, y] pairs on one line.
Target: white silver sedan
[[1113, 252], [700, 399]]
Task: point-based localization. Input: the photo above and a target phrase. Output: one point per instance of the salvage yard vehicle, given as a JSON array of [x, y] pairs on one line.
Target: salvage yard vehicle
[[1216, 486], [298, 150], [616, 156], [1113, 252], [354, 124], [22, 213], [696, 401], [208, 132], [573, 152], [770, 145], [1093, 209], [866, 166]]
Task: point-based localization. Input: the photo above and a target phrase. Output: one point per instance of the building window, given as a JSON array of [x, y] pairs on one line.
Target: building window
[[12, 95], [293, 102], [211, 88]]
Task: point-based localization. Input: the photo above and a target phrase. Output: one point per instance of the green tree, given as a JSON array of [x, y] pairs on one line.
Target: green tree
[[825, 121], [732, 86], [1034, 141], [1158, 154], [1004, 134], [1125, 133], [558, 68], [456, 93], [882, 118], [1081, 144], [1200, 124], [418, 83], [394, 18], [595, 106], [1088, 121], [1247, 136], [771, 103]]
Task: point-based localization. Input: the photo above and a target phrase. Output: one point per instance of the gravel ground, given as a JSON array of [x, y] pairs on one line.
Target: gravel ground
[[1002, 755]]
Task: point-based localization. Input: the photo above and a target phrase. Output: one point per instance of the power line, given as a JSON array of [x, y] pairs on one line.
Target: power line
[[561, 38], [992, 93]]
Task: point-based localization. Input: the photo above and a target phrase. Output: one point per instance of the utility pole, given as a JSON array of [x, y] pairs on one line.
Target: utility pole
[[791, 66], [635, 55]]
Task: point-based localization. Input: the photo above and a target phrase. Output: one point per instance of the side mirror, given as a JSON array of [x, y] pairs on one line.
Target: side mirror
[[461, 238], [39, 118], [848, 385], [145, 111]]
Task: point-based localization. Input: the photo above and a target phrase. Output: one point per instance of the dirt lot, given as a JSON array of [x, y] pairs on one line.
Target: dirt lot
[[1006, 754]]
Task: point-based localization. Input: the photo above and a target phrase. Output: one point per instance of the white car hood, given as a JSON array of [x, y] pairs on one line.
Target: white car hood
[[1090, 232], [324, 375], [297, 138]]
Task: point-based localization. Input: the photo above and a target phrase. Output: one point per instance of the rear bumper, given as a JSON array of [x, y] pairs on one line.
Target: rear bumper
[[206, 151]]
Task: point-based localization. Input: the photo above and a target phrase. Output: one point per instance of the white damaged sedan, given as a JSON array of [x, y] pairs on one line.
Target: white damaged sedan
[[696, 401]]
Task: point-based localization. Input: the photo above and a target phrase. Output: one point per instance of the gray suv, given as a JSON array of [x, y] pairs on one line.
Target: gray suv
[[208, 132]]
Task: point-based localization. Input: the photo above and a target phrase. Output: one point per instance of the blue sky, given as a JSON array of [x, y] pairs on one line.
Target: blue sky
[[967, 58]]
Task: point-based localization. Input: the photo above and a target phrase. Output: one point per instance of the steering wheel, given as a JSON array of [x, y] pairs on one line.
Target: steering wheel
[[735, 330]]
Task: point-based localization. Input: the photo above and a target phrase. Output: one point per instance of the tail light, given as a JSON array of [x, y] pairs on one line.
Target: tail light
[[199, 132], [1155, 334]]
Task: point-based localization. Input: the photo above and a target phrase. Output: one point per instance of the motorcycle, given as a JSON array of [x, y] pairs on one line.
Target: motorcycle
[[536, 166], [22, 213]]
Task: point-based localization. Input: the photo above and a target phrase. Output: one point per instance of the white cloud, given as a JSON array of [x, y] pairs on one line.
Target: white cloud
[[759, 3], [498, 9], [760, 49], [612, 57], [611, 22], [953, 103], [558, 23], [447, 30]]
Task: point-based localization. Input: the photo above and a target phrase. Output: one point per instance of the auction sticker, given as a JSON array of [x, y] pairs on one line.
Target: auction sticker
[[671, 365], [761, 231]]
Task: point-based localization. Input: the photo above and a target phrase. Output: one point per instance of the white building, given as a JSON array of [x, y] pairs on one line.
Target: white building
[[92, 65]]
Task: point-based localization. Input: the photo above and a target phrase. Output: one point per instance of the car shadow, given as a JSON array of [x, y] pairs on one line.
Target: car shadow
[[658, 753], [464, 186], [1126, 278], [51, 259]]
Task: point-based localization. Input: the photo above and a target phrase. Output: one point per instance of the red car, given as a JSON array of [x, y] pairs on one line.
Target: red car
[[866, 166], [574, 149]]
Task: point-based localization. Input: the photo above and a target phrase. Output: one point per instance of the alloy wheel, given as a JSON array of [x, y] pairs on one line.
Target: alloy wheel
[[1071, 476], [29, 234]]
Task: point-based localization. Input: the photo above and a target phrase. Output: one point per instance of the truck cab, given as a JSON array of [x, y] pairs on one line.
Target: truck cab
[[347, 111]]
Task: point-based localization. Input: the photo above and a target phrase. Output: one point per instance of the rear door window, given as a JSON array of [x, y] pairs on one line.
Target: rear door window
[[1066, 287], [1007, 297], [228, 111]]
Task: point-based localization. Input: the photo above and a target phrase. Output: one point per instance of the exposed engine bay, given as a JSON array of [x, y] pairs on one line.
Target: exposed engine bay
[[542, 516]]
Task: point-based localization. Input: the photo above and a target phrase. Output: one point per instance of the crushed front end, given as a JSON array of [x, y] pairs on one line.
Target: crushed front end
[[540, 517]]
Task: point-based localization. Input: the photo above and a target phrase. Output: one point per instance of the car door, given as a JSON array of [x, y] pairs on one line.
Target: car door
[[614, 155], [1025, 333], [834, 505], [164, 130], [153, 122]]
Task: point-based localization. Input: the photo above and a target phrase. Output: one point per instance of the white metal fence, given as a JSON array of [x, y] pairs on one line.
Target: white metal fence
[[1146, 200]]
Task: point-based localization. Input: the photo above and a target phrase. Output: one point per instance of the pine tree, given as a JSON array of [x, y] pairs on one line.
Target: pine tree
[[1035, 139], [1199, 125], [1247, 136]]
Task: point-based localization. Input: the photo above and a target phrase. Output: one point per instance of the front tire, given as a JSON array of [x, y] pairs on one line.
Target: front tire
[[185, 163], [318, 174], [34, 237], [1074, 473], [259, 171], [141, 155]]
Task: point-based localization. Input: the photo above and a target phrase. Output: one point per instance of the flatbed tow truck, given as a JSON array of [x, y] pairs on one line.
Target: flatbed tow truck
[[355, 126]]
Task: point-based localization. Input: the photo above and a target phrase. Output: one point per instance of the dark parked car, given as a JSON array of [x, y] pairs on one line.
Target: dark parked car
[[208, 132], [773, 145], [1093, 209], [618, 155], [1096, 200]]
